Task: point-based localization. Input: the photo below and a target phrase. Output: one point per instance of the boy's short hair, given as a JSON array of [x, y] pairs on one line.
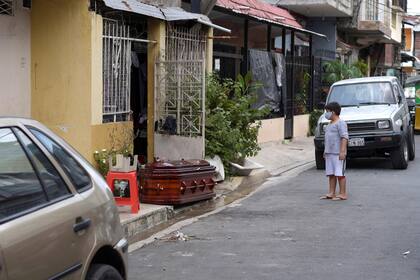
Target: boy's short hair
[[333, 107]]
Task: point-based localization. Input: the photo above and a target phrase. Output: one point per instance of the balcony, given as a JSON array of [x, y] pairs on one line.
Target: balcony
[[375, 21], [319, 8]]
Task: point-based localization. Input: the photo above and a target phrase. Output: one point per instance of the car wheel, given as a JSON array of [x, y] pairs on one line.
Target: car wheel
[[319, 160], [103, 272], [411, 145], [399, 157]]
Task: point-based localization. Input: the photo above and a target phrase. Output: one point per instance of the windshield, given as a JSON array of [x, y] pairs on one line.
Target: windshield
[[362, 94]]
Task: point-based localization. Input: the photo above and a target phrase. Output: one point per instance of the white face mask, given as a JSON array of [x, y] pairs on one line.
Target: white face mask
[[328, 115]]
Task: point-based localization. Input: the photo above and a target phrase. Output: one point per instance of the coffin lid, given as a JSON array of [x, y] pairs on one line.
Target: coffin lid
[[178, 164]]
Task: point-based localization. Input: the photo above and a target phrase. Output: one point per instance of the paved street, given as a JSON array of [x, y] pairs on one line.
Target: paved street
[[285, 232]]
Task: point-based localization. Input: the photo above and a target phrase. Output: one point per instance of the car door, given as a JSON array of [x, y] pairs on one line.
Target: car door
[[2, 267], [407, 116], [42, 227], [403, 113]]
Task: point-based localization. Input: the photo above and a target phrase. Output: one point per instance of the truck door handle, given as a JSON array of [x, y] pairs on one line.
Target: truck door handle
[[81, 224]]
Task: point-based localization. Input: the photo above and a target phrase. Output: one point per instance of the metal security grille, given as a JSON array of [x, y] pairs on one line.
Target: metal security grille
[[371, 9], [180, 83], [116, 71], [6, 7]]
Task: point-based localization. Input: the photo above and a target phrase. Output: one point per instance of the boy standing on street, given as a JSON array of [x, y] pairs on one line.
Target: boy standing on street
[[336, 138]]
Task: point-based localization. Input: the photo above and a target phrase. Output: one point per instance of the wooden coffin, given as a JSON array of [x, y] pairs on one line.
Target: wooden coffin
[[176, 182]]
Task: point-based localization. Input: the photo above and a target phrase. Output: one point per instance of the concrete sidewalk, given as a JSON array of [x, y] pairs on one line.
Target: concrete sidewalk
[[276, 157]]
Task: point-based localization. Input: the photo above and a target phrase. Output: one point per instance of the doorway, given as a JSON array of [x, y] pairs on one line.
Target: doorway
[[138, 84]]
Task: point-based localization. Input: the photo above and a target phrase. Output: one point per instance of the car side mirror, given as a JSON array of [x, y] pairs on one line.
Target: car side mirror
[[399, 99]]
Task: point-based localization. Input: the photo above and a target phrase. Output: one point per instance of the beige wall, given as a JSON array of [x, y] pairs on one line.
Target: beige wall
[[15, 59], [67, 75], [271, 130], [61, 69], [301, 126]]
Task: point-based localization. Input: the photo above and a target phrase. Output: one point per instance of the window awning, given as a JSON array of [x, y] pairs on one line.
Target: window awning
[[164, 13]]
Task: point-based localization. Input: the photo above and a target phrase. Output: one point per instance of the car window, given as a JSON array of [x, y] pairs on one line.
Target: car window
[[362, 94], [79, 177], [53, 184], [20, 188]]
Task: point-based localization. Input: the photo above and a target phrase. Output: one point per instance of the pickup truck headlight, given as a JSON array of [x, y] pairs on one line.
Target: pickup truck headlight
[[383, 124]]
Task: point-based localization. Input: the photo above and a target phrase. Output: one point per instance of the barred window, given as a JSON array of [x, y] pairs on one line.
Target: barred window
[[116, 71], [7, 7]]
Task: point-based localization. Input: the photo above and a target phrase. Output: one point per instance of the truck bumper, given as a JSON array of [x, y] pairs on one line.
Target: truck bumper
[[374, 143]]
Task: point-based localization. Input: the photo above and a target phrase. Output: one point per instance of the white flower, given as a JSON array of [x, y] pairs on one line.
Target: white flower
[[104, 160]]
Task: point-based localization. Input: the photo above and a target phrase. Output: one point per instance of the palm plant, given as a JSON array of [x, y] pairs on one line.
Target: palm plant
[[336, 71]]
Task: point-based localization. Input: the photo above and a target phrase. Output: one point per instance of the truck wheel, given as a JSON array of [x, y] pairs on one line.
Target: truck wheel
[[319, 160], [103, 272], [411, 145], [399, 157]]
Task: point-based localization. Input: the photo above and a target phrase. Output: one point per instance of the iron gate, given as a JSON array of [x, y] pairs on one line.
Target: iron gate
[[180, 83]]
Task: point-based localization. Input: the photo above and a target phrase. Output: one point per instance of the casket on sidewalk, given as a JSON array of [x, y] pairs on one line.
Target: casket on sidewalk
[[176, 182]]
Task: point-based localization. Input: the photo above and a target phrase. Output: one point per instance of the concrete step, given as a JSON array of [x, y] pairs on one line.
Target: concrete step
[[149, 216]]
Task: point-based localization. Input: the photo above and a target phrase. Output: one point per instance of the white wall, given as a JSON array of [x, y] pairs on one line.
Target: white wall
[[15, 91], [173, 147], [396, 32]]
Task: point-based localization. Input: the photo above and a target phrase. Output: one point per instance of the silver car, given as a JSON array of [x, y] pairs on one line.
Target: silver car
[[58, 218], [377, 117]]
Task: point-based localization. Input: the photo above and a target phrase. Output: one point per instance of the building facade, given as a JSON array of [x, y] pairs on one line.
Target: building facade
[[102, 74], [15, 57]]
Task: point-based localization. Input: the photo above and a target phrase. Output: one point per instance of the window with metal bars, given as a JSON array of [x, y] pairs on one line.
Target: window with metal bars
[[372, 10], [7, 7], [116, 71]]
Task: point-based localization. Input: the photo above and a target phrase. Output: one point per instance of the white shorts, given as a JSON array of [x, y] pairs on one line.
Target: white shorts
[[334, 166]]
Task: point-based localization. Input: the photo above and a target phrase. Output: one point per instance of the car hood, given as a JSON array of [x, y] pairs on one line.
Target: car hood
[[365, 112]]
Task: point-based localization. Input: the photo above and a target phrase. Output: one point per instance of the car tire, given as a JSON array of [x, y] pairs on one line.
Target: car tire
[[103, 272], [411, 145], [319, 160], [399, 157]]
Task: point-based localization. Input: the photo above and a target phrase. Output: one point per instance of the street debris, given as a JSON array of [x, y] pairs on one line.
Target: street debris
[[405, 254], [180, 236]]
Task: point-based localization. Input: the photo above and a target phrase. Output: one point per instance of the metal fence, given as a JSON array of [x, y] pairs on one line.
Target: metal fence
[[6, 7], [116, 71], [298, 73], [180, 83]]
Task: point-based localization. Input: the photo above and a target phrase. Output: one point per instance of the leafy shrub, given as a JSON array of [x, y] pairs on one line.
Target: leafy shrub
[[336, 71], [313, 120], [362, 66], [231, 122]]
